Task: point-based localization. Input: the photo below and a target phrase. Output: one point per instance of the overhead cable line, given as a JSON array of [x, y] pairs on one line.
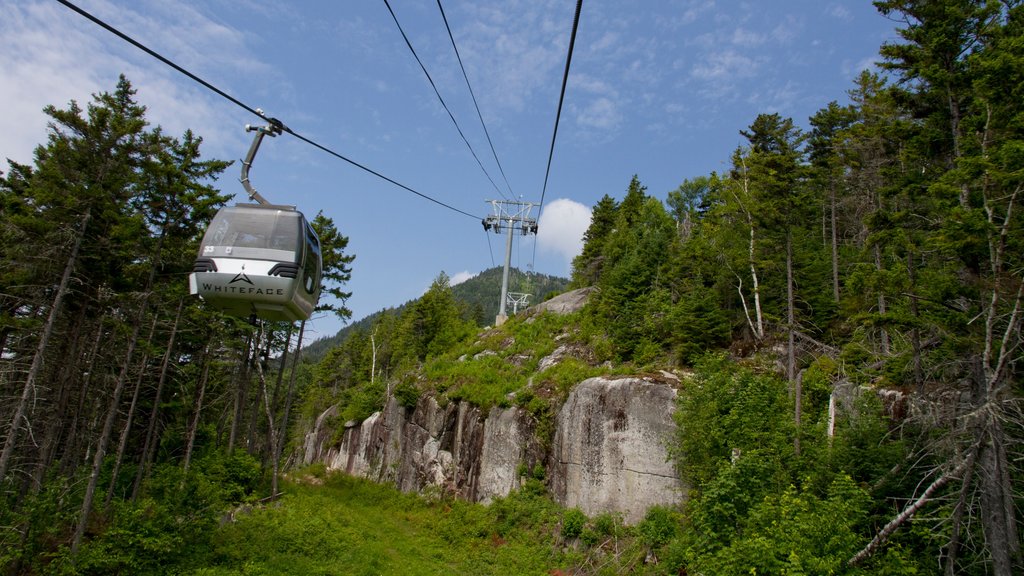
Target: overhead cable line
[[489, 248], [561, 98], [558, 115], [255, 111], [438, 93], [470, 87]]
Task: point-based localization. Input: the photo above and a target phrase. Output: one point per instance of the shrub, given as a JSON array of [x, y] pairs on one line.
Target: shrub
[[659, 526], [573, 522]]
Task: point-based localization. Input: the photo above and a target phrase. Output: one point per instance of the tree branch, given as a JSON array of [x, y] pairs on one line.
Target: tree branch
[[883, 535]]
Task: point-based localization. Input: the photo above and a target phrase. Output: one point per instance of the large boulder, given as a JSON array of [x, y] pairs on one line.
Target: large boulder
[[609, 452]]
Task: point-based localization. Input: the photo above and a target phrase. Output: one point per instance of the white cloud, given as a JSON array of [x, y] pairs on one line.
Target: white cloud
[[725, 65], [743, 37], [854, 68], [50, 55], [602, 114], [788, 30], [460, 277], [839, 11], [561, 227]]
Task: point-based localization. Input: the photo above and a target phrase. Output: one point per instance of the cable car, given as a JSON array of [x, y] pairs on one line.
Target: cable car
[[259, 259]]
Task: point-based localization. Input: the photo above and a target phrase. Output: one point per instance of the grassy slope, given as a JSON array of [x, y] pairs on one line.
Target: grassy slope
[[351, 526]]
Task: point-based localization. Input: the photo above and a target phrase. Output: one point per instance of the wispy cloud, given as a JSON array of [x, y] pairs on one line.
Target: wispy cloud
[[511, 50], [601, 114], [50, 55], [839, 11], [725, 66], [747, 38]]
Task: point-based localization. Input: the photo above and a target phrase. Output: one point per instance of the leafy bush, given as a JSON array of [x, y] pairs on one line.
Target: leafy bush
[[727, 410], [573, 522], [659, 526]]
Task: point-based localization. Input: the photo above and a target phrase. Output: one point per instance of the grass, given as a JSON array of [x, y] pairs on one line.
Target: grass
[[352, 526]]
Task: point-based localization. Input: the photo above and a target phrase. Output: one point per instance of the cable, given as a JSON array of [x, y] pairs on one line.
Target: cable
[[377, 174], [252, 110], [470, 87], [561, 99], [490, 248], [558, 115], [438, 93]]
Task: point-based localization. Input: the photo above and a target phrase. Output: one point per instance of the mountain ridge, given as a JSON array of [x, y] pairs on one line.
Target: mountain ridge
[[480, 294]]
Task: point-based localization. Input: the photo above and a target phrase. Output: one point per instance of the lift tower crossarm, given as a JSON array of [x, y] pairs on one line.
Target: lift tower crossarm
[[509, 215], [273, 129]]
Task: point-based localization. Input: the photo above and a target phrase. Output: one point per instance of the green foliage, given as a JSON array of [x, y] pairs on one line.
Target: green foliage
[[337, 266], [143, 538], [726, 410], [563, 376], [659, 526], [573, 522], [360, 402], [586, 267], [700, 323], [351, 526], [819, 534], [755, 506]]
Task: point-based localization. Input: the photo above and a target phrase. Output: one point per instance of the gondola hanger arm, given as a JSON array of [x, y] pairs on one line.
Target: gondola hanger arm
[[273, 128]]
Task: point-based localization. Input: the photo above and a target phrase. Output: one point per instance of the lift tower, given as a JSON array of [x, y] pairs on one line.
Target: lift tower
[[509, 215]]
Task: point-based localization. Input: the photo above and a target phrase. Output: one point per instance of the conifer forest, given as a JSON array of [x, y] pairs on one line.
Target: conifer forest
[[847, 298]]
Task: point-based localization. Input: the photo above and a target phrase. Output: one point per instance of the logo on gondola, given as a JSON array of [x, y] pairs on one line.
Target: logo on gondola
[[241, 277]]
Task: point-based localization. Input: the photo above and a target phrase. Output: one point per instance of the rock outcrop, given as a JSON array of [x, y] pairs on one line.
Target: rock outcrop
[[608, 455], [455, 448], [610, 448]]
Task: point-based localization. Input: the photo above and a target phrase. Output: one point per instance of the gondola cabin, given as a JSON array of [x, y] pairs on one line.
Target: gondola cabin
[[259, 259]]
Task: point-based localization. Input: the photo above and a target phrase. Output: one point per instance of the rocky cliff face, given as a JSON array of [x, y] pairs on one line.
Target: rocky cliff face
[[608, 454], [455, 448]]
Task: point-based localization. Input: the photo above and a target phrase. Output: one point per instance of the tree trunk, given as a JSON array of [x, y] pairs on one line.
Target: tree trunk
[[44, 340], [261, 359], [56, 416], [998, 517], [757, 290], [240, 395], [915, 333], [791, 352], [271, 448], [271, 433], [108, 428], [149, 445], [193, 427], [835, 244], [884, 332], [72, 455], [122, 443], [287, 406]]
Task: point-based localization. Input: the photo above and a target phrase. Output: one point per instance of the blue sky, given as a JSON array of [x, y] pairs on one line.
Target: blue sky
[[659, 89]]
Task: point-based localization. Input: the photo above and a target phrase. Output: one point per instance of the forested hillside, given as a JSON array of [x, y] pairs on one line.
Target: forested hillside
[[845, 302], [480, 294], [120, 392], [875, 255]]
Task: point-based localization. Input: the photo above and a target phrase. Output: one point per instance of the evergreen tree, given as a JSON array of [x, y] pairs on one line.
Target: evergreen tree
[[337, 266], [586, 267]]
